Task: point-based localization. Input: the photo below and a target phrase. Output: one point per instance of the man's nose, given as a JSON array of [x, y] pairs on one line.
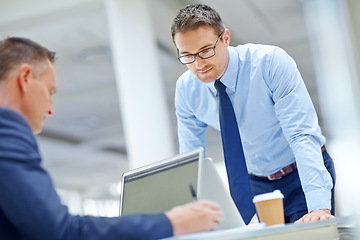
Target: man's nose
[[200, 63]]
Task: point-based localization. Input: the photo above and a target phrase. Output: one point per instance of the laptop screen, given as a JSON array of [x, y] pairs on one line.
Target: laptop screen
[[160, 186]]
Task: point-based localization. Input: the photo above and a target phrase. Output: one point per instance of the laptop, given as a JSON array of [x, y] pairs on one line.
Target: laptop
[[167, 183]]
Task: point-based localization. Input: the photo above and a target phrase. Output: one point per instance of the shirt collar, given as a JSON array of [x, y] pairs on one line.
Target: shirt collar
[[229, 79]]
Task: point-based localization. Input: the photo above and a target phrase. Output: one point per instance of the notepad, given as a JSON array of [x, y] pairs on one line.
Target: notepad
[[321, 230]]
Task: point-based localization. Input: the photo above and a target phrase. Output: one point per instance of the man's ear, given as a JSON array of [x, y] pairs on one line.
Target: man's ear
[[226, 36], [23, 77]]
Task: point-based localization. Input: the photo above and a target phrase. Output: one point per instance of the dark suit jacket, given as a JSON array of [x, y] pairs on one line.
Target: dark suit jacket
[[31, 209]]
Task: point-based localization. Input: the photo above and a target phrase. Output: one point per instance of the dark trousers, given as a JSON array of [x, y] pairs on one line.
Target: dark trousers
[[294, 198]]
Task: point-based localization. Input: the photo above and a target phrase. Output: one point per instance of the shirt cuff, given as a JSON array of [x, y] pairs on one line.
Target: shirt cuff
[[318, 199]]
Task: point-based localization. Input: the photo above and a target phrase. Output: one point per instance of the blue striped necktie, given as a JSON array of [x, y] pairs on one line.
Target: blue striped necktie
[[234, 156]]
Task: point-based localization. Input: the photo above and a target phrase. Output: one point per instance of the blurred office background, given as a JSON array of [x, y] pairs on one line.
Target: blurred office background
[[117, 69]]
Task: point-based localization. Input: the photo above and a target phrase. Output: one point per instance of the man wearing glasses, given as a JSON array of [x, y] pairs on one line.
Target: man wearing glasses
[[281, 139]]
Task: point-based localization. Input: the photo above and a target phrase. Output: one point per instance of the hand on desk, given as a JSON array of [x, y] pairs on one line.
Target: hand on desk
[[198, 216], [316, 215]]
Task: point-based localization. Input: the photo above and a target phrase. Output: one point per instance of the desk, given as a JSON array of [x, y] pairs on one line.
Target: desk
[[334, 229]]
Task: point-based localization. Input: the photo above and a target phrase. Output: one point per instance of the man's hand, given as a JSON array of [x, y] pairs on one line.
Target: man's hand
[[316, 215], [199, 216]]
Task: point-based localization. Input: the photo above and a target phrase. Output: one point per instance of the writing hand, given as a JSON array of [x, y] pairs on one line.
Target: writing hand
[[198, 216]]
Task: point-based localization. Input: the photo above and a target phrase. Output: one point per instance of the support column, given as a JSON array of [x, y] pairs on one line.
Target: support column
[[140, 87], [334, 56]]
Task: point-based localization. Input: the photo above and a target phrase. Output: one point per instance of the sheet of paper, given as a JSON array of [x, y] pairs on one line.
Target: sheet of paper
[[220, 234]]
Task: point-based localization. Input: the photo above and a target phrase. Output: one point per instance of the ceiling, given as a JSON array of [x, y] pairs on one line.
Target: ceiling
[[83, 144]]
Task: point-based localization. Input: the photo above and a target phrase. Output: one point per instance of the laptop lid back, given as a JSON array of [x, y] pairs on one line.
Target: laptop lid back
[[212, 187]]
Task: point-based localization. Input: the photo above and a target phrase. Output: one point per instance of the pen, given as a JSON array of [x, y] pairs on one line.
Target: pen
[[192, 191]]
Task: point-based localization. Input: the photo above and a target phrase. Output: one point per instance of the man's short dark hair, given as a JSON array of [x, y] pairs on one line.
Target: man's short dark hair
[[194, 16], [15, 51]]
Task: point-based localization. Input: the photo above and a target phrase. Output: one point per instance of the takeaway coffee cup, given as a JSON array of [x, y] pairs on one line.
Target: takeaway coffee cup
[[270, 207]]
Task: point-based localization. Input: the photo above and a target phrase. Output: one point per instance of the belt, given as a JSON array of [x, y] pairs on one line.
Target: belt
[[282, 172]]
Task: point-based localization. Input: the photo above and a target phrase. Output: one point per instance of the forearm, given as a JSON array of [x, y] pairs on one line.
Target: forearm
[[139, 226], [315, 179]]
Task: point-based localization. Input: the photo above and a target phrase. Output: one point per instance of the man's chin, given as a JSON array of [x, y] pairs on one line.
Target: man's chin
[[37, 130], [206, 80]]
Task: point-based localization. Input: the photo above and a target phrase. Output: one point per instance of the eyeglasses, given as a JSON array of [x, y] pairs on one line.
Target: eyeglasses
[[203, 54]]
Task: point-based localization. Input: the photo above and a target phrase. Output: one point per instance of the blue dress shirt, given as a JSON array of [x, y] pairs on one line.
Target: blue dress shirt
[[276, 118], [31, 209]]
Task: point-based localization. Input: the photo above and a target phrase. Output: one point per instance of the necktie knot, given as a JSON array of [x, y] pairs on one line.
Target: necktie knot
[[220, 87]]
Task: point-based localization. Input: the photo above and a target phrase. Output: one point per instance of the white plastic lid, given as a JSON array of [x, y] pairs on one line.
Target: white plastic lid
[[268, 196]]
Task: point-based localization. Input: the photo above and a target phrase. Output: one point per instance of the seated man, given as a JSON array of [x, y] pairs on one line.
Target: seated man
[[29, 205]]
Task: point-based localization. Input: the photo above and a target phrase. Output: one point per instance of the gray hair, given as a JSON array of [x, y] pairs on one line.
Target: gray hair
[[15, 51]]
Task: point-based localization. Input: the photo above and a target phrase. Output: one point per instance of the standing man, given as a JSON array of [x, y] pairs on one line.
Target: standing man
[[29, 205], [280, 136]]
